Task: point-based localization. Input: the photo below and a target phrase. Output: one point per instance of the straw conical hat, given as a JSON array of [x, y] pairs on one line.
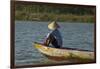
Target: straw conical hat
[[53, 25]]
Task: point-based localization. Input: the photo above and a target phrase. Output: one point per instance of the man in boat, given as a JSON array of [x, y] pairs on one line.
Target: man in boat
[[54, 37]]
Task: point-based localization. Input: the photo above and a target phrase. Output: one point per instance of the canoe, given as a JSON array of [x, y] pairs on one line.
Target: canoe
[[64, 54]]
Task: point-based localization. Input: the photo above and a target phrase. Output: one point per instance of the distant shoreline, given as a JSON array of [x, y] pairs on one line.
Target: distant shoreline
[[37, 12], [51, 21], [50, 13], [52, 17]]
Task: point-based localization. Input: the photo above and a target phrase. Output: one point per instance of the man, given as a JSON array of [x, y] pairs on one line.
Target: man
[[54, 37]]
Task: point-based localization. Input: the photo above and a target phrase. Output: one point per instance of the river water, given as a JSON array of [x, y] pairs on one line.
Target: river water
[[75, 35]]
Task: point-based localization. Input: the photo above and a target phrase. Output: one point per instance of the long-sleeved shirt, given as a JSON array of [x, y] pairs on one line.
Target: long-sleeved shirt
[[57, 36]]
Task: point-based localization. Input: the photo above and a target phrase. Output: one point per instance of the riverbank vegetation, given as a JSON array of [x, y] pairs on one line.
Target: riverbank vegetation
[[38, 12]]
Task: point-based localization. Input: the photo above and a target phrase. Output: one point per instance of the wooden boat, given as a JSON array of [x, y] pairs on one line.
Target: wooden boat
[[64, 54]]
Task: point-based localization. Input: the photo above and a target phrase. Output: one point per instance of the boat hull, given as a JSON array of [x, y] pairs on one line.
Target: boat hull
[[64, 54]]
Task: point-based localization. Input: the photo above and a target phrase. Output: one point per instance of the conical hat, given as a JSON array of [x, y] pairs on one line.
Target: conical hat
[[53, 25]]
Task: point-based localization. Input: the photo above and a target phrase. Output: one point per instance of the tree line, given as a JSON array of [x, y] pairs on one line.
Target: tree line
[[48, 12]]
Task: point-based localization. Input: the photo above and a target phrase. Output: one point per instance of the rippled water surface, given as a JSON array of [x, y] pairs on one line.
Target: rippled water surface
[[75, 35]]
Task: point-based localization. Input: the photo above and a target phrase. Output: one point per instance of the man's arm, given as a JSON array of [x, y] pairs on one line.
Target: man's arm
[[47, 40]]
